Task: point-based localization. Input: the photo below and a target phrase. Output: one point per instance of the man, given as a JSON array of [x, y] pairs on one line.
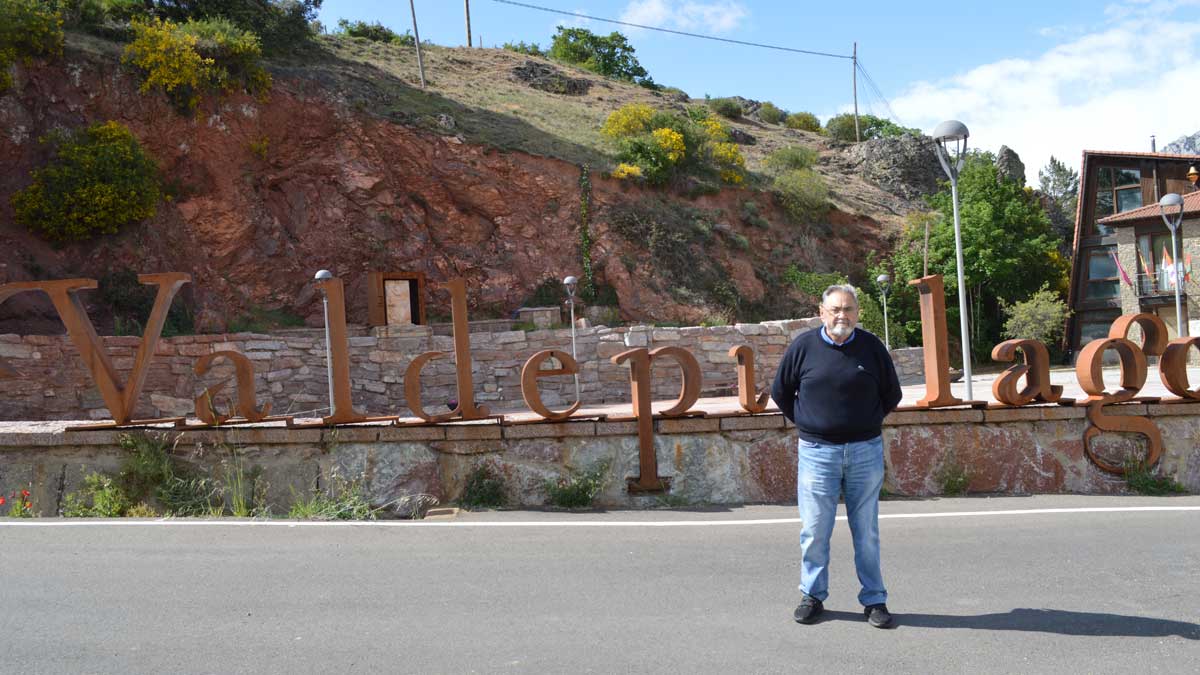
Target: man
[[836, 384]]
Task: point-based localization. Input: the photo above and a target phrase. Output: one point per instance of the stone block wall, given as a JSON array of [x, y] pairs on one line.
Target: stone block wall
[[715, 460], [290, 368]]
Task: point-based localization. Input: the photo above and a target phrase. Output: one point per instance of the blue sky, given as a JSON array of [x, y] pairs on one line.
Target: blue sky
[[1051, 77]]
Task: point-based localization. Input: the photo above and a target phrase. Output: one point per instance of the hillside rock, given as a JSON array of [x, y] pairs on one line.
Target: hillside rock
[[1184, 145], [1009, 165], [903, 165], [353, 192], [741, 137], [546, 77]]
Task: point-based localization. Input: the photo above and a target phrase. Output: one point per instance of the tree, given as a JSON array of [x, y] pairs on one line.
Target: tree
[[280, 24], [1009, 251], [1060, 184], [841, 127], [611, 56]]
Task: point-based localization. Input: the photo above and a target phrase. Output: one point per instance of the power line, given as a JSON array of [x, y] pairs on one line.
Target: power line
[[675, 32], [877, 93]]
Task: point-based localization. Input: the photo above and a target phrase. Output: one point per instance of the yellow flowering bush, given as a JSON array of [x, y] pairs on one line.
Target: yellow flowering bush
[[28, 28], [98, 180], [167, 57], [714, 129], [729, 160], [624, 171], [187, 59], [671, 142], [628, 120]]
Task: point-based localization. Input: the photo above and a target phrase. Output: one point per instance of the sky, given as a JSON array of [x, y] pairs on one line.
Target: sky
[[1045, 78]]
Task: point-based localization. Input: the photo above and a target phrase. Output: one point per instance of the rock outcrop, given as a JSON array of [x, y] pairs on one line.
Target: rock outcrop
[[903, 165], [1009, 165]]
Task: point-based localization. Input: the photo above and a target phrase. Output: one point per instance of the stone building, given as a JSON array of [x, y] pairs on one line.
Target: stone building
[[1145, 254], [1113, 185]]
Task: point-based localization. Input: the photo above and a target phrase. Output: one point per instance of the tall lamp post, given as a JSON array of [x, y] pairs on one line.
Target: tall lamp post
[[953, 132], [883, 280], [1173, 201], [324, 275], [570, 283]]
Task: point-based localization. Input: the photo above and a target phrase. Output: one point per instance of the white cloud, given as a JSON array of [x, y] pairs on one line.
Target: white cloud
[[721, 16], [576, 21], [1108, 89]]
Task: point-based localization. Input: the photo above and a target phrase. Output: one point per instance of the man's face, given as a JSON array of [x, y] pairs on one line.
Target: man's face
[[839, 313]]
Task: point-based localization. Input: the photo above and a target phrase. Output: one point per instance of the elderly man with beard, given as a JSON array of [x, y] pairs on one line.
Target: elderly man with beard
[[836, 384]]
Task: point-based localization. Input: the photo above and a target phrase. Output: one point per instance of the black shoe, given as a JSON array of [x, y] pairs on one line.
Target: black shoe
[[810, 608], [877, 615]]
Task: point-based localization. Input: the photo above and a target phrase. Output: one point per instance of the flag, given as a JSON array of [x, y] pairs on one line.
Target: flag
[[1120, 268], [1150, 278], [1169, 266], [1187, 267]]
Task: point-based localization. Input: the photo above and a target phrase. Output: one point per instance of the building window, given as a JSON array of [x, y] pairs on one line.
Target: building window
[[1117, 191], [1153, 251], [1102, 280], [1095, 325]]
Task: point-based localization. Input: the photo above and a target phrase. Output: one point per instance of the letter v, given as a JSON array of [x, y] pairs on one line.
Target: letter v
[[64, 293]]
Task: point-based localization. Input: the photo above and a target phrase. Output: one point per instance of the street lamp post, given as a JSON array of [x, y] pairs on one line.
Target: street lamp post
[[883, 280], [946, 133], [1172, 201], [570, 283], [323, 275]]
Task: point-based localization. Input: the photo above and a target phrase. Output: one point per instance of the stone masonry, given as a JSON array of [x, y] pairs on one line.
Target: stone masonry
[[290, 368]]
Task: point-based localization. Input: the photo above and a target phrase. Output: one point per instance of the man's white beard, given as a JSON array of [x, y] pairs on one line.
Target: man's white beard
[[841, 331]]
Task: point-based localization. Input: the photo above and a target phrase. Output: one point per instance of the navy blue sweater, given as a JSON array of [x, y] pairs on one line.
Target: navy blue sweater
[[836, 393]]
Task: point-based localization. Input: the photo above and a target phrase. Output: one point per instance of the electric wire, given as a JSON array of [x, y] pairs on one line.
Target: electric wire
[[675, 32]]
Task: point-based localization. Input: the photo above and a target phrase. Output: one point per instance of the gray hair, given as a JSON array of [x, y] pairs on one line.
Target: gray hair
[[840, 288]]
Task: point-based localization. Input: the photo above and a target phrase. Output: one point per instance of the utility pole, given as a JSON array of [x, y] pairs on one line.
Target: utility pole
[[854, 79], [467, 7], [417, 39]]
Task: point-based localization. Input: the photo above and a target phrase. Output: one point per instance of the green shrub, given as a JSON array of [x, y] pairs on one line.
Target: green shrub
[[282, 25], [751, 216], [259, 320], [28, 28], [790, 158], [484, 488], [188, 495], [579, 488], [549, 293], [168, 59], [611, 56], [98, 180], [804, 121], [531, 49], [726, 107], [952, 477], [803, 194], [99, 497], [770, 113], [841, 127], [130, 303], [1041, 317], [375, 32]]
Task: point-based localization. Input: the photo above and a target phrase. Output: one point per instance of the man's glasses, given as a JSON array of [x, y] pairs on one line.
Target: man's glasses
[[841, 310]]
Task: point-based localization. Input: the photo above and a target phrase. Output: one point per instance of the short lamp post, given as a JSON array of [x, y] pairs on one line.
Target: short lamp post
[[324, 275], [884, 280], [1174, 201], [947, 134], [570, 283]]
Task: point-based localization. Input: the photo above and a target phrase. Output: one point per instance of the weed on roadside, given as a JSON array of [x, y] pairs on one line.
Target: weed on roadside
[[578, 489], [484, 488], [1143, 480], [952, 477]]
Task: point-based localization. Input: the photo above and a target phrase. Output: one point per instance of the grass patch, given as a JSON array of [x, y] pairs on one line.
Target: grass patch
[[1142, 480], [952, 477], [578, 489], [484, 488], [259, 320], [345, 500]]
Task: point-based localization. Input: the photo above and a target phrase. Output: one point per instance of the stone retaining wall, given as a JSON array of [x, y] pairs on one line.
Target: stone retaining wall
[[290, 371], [712, 460]]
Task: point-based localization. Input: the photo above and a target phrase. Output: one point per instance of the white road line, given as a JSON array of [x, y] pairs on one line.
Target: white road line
[[174, 522]]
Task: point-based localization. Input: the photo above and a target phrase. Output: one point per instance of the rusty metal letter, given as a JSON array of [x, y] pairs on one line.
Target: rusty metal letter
[[1154, 331], [689, 389], [462, 352], [247, 405], [530, 373], [639, 384], [1036, 371], [343, 405], [120, 398], [1172, 367], [933, 337], [746, 387], [1089, 370], [412, 389]]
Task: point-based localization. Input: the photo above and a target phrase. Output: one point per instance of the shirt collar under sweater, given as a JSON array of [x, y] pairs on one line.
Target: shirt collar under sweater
[[829, 340]]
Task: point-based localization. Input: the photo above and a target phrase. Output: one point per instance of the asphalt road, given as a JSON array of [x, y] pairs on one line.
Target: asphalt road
[[663, 591]]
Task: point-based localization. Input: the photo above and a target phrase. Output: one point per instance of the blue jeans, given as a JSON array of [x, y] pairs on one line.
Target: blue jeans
[[825, 472]]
